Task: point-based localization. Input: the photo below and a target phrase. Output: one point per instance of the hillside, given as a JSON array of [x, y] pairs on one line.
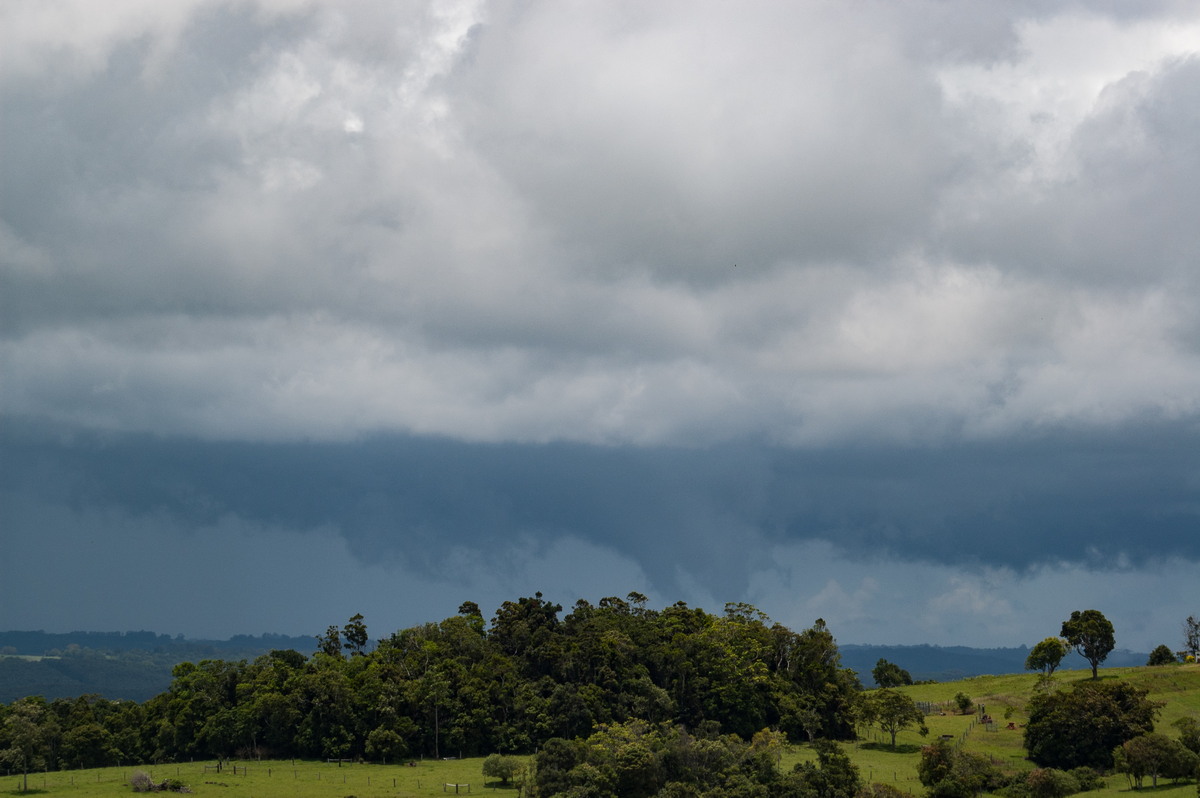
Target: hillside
[[136, 666], [132, 666], [950, 663]]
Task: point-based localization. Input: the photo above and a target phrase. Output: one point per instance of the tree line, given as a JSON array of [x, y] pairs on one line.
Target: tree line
[[614, 698], [465, 687]]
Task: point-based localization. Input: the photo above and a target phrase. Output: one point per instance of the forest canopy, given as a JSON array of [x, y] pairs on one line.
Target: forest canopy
[[466, 687]]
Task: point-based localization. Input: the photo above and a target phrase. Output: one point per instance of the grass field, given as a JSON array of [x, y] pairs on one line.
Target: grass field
[[275, 779], [1004, 697]]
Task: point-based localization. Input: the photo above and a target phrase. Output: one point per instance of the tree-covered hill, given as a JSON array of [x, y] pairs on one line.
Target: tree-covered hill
[[465, 686]]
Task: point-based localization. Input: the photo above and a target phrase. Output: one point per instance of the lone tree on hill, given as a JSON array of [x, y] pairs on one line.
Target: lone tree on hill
[[1046, 655], [1091, 634]]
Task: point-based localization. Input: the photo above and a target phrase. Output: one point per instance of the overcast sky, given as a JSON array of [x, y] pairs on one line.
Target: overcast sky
[[881, 312]]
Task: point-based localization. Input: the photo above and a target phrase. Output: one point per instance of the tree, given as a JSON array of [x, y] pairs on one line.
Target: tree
[[28, 728], [385, 744], [355, 632], [500, 766], [1046, 655], [1161, 656], [893, 712], [964, 702], [955, 774], [1153, 755], [889, 674], [1082, 726], [1191, 638], [832, 776], [1091, 634], [1189, 733], [1051, 783], [330, 643]]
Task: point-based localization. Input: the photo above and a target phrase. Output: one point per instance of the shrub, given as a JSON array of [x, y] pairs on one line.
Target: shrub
[[881, 790], [1051, 783], [141, 782], [1088, 778], [1161, 656], [501, 767]]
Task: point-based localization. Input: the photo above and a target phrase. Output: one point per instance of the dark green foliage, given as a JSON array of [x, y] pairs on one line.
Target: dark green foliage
[[1051, 783], [1162, 655], [1081, 727], [355, 633], [1088, 778], [889, 674], [502, 767], [892, 712], [1046, 655], [460, 687], [1154, 755], [948, 773], [1091, 634], [1189, 733], [832, 776], [964, 703]]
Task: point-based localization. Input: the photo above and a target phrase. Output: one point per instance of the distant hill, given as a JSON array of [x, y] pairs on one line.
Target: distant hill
[[950, 663], [136, 666], [133, 666]]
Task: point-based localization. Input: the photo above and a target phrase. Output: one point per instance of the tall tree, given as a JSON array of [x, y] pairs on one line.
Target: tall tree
[[355, 633], [28, 729], [1046, 655], [1191, 638], [1091, 634]]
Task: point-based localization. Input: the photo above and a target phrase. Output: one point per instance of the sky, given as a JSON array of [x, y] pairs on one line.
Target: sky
[[886, 313]]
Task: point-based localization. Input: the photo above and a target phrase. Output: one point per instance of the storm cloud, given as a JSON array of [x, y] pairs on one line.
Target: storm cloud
[[699, 292]]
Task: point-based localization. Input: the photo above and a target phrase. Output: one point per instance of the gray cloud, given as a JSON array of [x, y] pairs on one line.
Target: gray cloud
[[910, 278]]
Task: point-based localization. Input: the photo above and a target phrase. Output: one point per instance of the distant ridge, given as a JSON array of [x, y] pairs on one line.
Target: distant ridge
[[132, 666], [136, 666], [950, 663]]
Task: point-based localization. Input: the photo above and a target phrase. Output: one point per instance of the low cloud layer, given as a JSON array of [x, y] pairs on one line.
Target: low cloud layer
[[690, 285]]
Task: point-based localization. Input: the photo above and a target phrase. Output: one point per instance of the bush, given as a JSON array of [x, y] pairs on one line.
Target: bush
[[1082, 726], [881, 790], [1051, 783], [1088, 778], [1161, 656], [501, 767], [956, 774], [964, 702], [141, 782]]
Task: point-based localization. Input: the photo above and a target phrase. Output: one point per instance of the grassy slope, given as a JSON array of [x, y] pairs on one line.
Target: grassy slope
[[1179, 686], [1005, 698]]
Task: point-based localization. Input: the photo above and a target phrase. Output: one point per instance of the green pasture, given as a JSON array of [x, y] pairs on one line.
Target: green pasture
[[1004, 698], [275, 779]]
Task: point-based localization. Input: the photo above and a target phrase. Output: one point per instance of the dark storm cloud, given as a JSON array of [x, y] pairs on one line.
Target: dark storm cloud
[[1125, 496], [771, 300]]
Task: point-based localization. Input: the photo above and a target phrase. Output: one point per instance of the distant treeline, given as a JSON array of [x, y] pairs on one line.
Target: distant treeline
[[951, 663], [464, 686], [40, 643], [134, 666]]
